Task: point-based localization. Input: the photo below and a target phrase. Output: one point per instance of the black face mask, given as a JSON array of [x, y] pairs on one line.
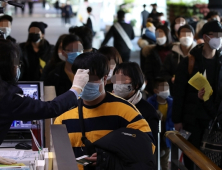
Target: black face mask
[[34, 37]]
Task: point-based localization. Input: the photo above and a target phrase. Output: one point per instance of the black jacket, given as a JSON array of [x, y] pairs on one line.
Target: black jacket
[[153, 66], [119, 43], [187, 108], [14, 106], [31, 69], [132, 151], [150, 115], [59, 79], [171, 62]]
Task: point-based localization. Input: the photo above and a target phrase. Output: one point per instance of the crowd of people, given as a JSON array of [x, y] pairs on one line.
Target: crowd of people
[[119, 93]]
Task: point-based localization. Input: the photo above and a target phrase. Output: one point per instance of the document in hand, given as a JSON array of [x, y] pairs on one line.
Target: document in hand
[[198, 81]]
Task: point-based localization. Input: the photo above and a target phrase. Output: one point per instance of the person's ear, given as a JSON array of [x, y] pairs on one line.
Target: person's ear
[[105, 80], [206, 38], [64, 54]]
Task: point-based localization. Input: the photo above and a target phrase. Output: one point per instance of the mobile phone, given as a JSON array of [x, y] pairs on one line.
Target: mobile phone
[[81, 160]]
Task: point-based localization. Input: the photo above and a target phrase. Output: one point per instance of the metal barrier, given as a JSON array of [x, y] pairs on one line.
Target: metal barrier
[[199, 159]]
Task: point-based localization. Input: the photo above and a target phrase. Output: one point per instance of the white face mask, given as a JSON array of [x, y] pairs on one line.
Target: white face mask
[[186, 41], [164, 94], [161, 41], [215, 43], [62, 57], [143, 87], [122, 90], [6, 30], [111, 73]]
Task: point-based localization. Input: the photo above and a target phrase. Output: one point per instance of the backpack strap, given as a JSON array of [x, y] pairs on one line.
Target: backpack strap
[[191, 61], [90, 149]]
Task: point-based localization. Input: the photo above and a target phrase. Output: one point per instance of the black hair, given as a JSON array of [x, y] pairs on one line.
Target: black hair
[[166, 30], [132, 70], [55, 58], [187, 26], [144, 5], [69, 39], [120, 15], [85, 34], [157, 82], [97, 64], [173, 32], [6, 17], [210, 14], [89, 9], [111, 53], [9, 56]]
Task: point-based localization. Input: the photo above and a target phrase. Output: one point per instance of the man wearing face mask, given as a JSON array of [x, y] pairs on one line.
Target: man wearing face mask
[[102, 111], [179, 52], [5, 26], [62, 76], [188, 112], [36, 52]]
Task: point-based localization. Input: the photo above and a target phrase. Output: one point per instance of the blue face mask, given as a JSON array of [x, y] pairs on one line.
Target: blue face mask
[[90, 92], [18, 73], [72, 56]]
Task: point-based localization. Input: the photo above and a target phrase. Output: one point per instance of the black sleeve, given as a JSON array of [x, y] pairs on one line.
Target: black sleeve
[[108, 36], [132, 35], [24, 108], [50, 79], [213, 107], [154, 124], [180, 85]]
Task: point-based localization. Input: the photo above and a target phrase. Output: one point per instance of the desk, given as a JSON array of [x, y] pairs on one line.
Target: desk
[[28, 155]]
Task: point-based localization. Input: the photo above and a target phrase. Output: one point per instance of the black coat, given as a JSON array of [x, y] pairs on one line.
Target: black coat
[[59, 79], [187, 107], [119, 43], [14, 106], [171, 63], [153, 66], [31, 69], [119, 150]]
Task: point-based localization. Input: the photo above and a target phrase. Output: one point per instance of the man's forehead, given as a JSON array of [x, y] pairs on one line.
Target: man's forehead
[[163, 84], [216, 34], [75, 45], [5, 23]]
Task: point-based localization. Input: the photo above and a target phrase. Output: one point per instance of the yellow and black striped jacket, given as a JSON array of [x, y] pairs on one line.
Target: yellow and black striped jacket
[[111, 114]]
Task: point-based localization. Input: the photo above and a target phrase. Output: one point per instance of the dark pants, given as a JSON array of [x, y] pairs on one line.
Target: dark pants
[[67, 20], [125, 56], [164, 150], [30, 8], [195, 138], [23, 9]]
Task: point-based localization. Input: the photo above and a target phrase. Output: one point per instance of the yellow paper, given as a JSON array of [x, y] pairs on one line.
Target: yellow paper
[[18, 164], [198, 81], [42, 63]]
